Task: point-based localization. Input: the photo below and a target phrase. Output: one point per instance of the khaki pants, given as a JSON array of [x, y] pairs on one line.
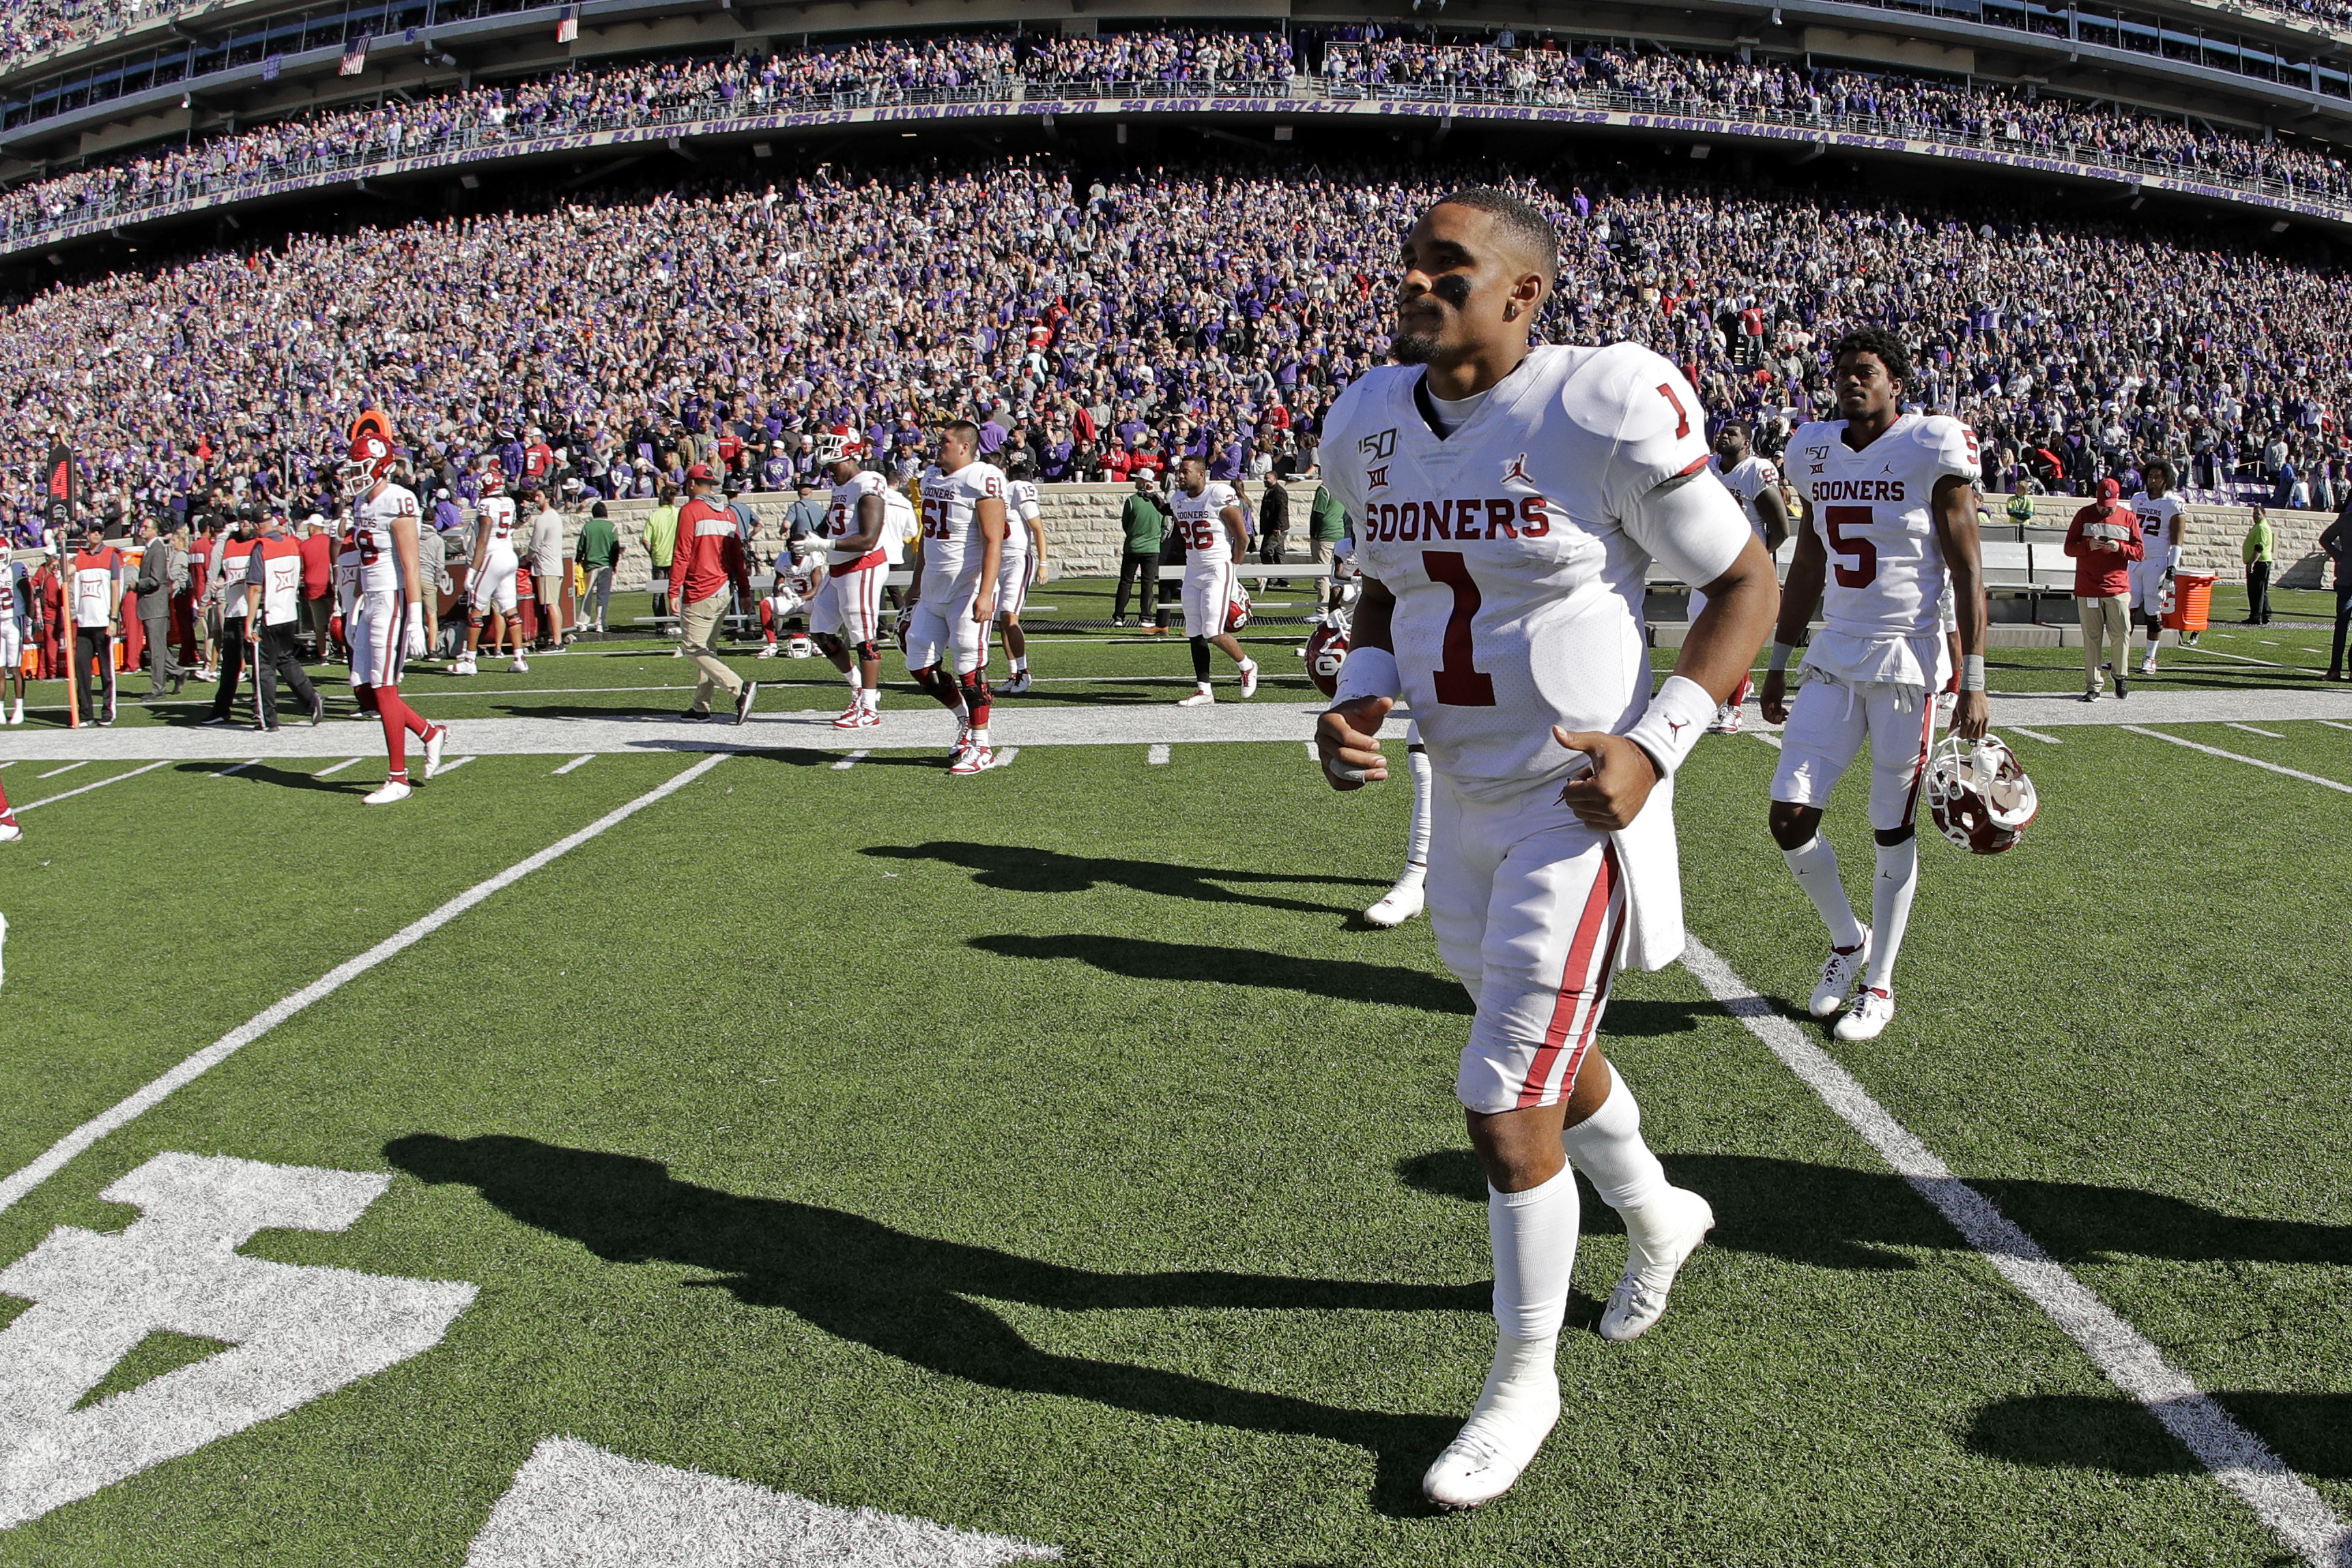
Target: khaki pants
[[2107, 620], [697, 621]]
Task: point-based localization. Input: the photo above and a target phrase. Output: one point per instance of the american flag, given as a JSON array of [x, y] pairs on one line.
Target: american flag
[[567, 27], [354, 60]]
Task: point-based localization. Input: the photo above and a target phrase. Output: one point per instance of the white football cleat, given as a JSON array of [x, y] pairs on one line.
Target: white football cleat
[[464, 666], [1202, 697], [1515, 1412], [1726, 720], [521, 666], [434, 740], [766, 651], [1249, 679], [970, 760], [394, 790], [1401, 903], [2148, 666], [17, 712], [850, 716], [1872, 1011], [1839, 972], [10, 832], [1659, 1238]]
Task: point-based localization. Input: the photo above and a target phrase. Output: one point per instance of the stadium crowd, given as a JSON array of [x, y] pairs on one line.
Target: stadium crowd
[[1111, 326], [673, 91]]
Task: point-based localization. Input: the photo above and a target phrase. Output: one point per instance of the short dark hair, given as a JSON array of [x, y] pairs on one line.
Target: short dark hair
[[967, 426], [1881, 345], [1517, 217]]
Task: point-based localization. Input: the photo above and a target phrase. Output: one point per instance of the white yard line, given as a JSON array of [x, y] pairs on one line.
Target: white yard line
[[2333, 724], [447, 769], [237, 768], [339, 767], [1312, 755], [2250, 729], [2240, 1461], [1005, 757], [578, 761], [850, 761], [15, 1187], [2234, 756], [66, 769], [69, 794], [1157, 755], [2035, 735], [1770, 739]]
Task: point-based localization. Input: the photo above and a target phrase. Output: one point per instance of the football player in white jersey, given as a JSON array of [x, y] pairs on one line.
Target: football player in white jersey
[[1209, 517], [1755, 483], [846, 616], [1892, 507], [1508, 500], [490, 586], [1024, 560], [16, 616], [958, 560], [386, 625], [2159, 535]]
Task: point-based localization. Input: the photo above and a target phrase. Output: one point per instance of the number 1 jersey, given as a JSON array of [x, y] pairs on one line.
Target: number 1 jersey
[[1516, 546], [1874, 511]]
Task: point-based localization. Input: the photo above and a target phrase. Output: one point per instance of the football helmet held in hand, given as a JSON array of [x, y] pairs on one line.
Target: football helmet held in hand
[[1237, 616], [1327, 650], [1979, 794]]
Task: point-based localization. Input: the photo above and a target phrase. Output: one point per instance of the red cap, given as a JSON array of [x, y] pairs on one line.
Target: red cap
[[698, 475], [2109, 490]]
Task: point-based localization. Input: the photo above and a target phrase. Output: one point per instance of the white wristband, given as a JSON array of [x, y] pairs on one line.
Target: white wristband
[[1368, 673], [1673, 723], [1972, 677], [1781, 653], [417, 616]]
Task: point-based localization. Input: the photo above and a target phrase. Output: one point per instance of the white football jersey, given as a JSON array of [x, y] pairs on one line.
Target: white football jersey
[[498, 516], [1200, 521], [371, 536], [955, 548], [2155, 514], [1020, 510], [899, 525], [841, 517], [1747, 479], [1516, 548], [1874, 511]]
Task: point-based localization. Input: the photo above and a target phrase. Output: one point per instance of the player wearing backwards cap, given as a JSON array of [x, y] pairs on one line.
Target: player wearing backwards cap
[[1508, 499], [846, 618], [386, 625]]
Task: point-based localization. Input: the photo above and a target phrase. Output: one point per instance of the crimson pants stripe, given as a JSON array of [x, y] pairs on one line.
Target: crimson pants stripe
[[1580, 996], [1919, 768]]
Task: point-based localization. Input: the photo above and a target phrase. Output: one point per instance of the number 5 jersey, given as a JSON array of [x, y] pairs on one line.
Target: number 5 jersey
[[1874, 511]]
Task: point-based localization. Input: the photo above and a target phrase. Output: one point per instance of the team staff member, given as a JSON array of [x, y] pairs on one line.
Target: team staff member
[[161, 570], [661, 545], [224, 591], [708, 559], [94, 583], [17, 622], [1327, 525], [547, 566], [1144, 522], [275, 581], [318, 546], [2104, 539], [599, 555], [2260, 548], [2336, 542]]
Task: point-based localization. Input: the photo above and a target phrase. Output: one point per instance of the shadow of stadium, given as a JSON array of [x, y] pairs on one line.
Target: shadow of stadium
[[2311, 1432], [907, 1295]]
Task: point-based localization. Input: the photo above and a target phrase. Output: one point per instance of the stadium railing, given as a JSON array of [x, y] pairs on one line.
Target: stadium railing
[[709, 115]]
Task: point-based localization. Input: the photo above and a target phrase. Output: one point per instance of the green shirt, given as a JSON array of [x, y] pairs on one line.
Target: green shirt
[[1327, 519], [599, 544], [2020, 509], [1143, 523], [661, 536], [2258, 542]]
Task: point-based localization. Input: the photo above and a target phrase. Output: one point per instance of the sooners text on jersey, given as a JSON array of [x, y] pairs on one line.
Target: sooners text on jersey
[[955, 548]]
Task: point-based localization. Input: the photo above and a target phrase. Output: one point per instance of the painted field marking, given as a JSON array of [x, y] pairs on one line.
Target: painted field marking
[[338, 767], [1312, 755], [2240, 1461], [577, 761], [7, 765], [237, 768], [1772, 740], [66, 769], [69, 794], [2035, 735], [447, 769], [1004, 757], [15, 1187], [2336, 723], [2250, 729], [2249, 761], [850, 761], [1156, 757]]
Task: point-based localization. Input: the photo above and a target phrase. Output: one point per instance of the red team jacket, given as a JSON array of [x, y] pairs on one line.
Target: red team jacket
[[710, 553]]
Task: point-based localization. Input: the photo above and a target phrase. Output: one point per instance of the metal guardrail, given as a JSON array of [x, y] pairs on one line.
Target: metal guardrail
[[709, 114]]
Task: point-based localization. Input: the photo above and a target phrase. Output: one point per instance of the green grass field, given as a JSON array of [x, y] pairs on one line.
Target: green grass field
[[1050, 1153]]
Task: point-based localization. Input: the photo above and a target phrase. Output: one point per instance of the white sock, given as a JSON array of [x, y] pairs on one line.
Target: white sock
[[1020, 666], [980, 738], [869, 698], [1246, 666], [1607, 1147], [1533, 1234], [1416, 837], [1815, 866], [1890, 908]]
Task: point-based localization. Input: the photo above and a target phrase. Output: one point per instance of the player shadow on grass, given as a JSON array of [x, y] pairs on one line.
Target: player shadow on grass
[[2311, 1432], [285, 778], [1837, 1217], [905, 1295], [1340, 978], [1020, 868]]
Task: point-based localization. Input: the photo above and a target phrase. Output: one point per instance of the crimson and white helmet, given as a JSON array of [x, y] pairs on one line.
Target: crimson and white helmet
[[1979, 794], [1238, 614], [841, 441], [373, 458], [1327, 650]]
